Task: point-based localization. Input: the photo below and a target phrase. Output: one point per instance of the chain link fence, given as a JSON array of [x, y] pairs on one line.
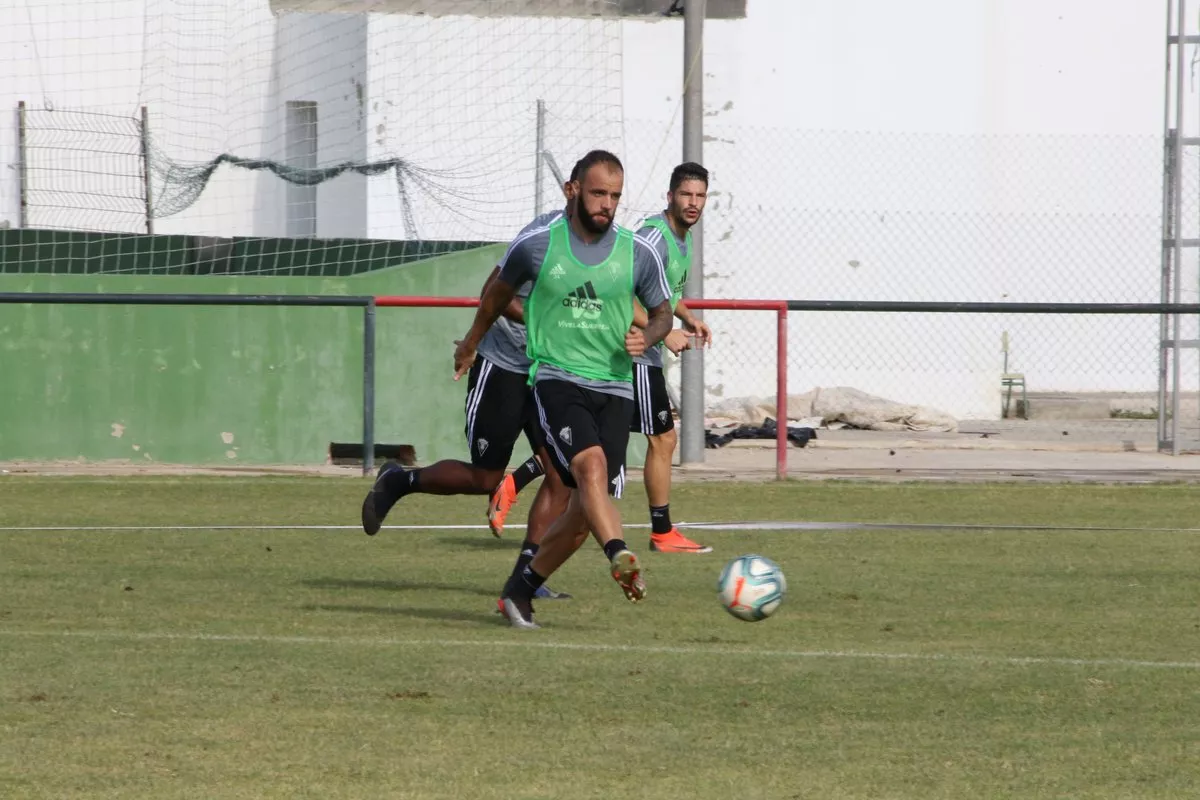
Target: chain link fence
[[838, 215]]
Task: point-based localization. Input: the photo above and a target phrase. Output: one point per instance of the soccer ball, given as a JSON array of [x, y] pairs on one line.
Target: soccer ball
[[751, 587]]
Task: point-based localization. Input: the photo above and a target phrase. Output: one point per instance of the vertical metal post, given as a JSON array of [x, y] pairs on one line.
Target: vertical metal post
[[146, 170], [691, 447], [22, 167], [1164, 320], [539, 169], [1177, 214], [781, 390], [369, 387]]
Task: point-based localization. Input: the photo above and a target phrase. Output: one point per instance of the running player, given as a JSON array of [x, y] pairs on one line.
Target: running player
[[671, 235], [499, 406], [586, 273]]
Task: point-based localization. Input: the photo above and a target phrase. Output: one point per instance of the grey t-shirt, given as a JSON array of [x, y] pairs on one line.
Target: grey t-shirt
[[504, 343], [649, 285], [653, 357]]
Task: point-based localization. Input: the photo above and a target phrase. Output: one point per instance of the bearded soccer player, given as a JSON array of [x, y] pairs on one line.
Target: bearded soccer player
[[499, 407], [586, 273]]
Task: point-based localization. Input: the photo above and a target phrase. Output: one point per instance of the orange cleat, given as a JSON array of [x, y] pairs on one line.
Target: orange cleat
[[675, 542], [627, 572], [498, 506]]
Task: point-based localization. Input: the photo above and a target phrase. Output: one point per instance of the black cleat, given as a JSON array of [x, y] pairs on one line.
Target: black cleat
[[380, 499]]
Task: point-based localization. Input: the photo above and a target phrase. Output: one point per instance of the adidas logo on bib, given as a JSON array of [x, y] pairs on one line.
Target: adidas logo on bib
[[583, 302]]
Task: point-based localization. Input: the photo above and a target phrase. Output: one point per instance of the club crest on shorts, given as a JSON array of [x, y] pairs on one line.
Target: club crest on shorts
[[565, 434], [481, 445]]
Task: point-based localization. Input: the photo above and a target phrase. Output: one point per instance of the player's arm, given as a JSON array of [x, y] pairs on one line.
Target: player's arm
[[658, 324], [515, 310], [651, 290], [497, 295], [640, 317], [693, 324]]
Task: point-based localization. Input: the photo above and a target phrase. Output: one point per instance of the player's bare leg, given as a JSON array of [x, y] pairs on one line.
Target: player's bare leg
[[664, 537], [657, 473], [589, 468], [443, 478], [549, 504]]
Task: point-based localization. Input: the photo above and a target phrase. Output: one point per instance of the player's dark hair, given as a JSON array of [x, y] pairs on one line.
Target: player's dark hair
[[592, 159], [688, 171]]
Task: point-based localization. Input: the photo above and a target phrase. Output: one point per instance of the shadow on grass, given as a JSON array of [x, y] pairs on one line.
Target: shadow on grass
[[486, 542], [400, 586], [481, 617]]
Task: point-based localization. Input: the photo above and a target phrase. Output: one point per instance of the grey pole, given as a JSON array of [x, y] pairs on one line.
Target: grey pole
[[23, 166], [1177, 215], [1168, 234], [368, 396], [691, 446], [539, 174], [145, 130]]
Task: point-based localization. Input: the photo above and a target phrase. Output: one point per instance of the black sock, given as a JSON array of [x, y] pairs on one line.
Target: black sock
[[404, 481], [525, 473], [398, 481], [531, 580], [528, 551], [660, 519], [613, 547]]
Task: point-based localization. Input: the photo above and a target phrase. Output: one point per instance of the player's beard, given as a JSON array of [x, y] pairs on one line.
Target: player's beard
[[588, 221], [682, 220]]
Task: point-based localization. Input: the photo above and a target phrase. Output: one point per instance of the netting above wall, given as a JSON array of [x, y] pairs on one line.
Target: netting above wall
[[434, 118], [320, 125]]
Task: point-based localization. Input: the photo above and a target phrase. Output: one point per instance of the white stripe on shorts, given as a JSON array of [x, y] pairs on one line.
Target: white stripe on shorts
[[645, 409], [473, 401], [553, 443]]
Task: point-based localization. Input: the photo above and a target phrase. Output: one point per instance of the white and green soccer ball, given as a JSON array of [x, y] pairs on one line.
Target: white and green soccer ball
[[751, 587]]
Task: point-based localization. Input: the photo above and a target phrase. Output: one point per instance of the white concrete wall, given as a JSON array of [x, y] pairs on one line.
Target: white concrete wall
[[322, 58]]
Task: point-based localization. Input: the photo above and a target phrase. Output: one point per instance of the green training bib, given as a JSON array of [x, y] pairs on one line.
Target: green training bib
[[577, 316]]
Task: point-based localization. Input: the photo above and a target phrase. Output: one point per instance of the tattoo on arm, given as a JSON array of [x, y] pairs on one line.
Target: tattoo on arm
[[659, 323]]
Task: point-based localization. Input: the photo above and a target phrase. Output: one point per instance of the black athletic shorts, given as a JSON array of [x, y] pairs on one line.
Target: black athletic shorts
[[574, 418], [499, 407], [652, 405]]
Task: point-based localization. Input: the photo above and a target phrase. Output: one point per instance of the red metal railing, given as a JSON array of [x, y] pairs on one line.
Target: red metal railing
[[780, 307]]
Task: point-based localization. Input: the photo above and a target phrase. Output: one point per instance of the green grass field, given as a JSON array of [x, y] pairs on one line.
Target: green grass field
[[202, 663]]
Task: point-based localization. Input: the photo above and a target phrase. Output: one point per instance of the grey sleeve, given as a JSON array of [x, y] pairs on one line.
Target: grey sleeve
[[656, 238], [539, 223], [524, 258], [649, 274], [518, 267]]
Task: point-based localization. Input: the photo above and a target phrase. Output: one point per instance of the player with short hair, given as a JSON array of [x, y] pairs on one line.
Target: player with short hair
[[498, 406], [585, 274], [670, 233]]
